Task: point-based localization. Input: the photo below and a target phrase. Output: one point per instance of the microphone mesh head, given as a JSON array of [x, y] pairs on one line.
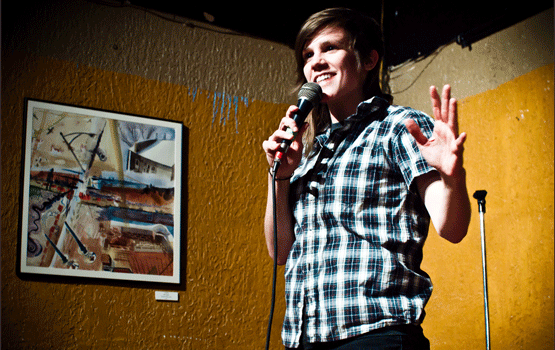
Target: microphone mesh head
[[312, 92]]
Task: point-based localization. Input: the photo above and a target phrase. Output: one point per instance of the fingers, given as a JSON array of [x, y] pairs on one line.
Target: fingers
[[287, 127], [449, 110], [445, 97], [287, 130], [415, 131], [436, 102], [460, 140], [445, 107], [441, 105], [273, 144], [453, 116]]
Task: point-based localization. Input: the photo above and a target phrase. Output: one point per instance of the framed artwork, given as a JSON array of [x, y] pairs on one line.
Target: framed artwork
[[101, 194]]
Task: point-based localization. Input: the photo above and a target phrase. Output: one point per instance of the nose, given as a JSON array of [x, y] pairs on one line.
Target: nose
[[318, 62], [315, 64]]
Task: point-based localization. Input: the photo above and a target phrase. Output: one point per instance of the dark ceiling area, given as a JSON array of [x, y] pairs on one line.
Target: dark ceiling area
[[412, 29]]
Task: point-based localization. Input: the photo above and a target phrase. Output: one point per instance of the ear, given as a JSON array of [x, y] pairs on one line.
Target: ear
[[371, 61]]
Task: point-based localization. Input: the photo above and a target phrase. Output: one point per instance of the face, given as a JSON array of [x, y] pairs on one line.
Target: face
[[330, 61]]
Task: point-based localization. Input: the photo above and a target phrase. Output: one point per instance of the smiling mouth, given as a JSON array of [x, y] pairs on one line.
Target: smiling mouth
[[323, 77]]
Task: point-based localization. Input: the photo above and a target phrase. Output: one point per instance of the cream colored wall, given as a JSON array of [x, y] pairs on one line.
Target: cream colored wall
[[133, 41], [129, 61], [492, 61]]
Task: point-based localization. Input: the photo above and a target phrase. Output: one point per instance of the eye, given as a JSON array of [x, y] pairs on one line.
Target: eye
[[307, 55]]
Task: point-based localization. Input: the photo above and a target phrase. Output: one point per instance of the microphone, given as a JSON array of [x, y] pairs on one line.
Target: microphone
[[309, 96]]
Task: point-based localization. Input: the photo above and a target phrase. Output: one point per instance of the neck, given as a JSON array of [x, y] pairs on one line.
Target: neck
[[343, 110]]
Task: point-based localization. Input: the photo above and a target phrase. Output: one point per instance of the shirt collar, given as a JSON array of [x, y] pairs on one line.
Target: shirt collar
[[367, 111]]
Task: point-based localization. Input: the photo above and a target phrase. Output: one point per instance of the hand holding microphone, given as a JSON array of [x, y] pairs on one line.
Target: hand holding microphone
[[309, 96]]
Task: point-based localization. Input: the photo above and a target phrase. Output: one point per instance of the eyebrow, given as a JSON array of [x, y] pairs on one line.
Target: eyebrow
[[327, 42]]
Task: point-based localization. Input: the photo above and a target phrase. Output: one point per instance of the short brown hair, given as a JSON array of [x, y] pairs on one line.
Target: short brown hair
[[364, 34], [363, 31]]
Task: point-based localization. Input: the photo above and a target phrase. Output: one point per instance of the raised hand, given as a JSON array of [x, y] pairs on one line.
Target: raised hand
[[444, 149]]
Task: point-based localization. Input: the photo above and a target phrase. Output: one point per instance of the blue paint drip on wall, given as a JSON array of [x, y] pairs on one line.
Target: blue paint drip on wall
[[223, 104], [193, 93]]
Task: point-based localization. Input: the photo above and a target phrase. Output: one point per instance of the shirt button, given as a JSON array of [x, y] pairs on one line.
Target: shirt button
[[300, 305]]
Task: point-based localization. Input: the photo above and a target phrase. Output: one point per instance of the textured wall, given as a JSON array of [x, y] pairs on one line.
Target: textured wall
[[509, 153], [132, 41], [492, 61], [226, 291], [229, 92], [505, 91], [125, 60]]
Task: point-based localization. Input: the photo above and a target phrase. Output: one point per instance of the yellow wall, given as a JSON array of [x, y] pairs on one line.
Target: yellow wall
[[508, 153], [128, 61], [225, 297]]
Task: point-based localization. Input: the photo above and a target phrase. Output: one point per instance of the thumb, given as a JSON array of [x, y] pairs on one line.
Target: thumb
[[415, 131]]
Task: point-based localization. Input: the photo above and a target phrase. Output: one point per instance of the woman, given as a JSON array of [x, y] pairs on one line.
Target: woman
[[354, 200]]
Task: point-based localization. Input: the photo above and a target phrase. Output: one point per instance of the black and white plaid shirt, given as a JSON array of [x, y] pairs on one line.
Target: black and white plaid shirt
[[360, 226]]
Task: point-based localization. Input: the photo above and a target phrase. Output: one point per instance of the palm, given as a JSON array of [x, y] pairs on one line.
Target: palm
[[443, 150]]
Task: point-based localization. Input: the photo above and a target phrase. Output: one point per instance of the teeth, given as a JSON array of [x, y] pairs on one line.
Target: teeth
[[323, 77]]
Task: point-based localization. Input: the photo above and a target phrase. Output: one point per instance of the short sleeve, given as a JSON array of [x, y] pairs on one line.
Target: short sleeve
[[408, 158]]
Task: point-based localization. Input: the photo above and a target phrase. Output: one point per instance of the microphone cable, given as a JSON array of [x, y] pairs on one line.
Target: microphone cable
[[274, 278], [309, 95]]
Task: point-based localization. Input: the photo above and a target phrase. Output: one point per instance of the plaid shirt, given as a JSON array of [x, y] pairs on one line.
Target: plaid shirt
[[360, 227]]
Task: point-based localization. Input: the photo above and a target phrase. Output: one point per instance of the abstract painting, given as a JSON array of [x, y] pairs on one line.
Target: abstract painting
[[101, 194]]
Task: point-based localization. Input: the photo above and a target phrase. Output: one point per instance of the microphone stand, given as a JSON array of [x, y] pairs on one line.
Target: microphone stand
[[481, 197]]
